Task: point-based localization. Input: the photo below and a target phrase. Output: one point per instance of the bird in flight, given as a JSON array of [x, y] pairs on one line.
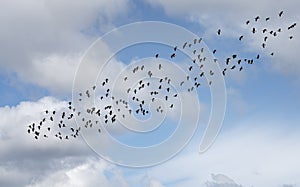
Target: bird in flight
[[280, 13]]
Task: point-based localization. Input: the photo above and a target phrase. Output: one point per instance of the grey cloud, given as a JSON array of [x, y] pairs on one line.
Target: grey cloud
[[92, 172], [44, 38]]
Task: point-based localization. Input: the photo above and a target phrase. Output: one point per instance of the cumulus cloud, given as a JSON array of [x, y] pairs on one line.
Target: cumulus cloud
[[49, 37], [92, 172], [50, 162], [22, 156], [14, 125]]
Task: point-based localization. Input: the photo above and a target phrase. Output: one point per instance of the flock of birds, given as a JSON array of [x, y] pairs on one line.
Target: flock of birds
[[61, 123], [267, 34]]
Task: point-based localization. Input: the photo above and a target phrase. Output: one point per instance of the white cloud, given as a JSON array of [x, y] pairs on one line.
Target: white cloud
[[13, 130], [92, 172], [42, 41], [251, 155]]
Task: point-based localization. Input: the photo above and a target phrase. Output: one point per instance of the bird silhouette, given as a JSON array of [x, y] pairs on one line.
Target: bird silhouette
[[292, 26], [280, 13], [264, 30]]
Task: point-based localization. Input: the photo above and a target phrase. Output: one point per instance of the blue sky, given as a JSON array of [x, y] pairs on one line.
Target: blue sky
[[43, 42]]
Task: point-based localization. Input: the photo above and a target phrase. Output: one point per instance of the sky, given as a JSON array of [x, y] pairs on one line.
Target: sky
[[44, 47]]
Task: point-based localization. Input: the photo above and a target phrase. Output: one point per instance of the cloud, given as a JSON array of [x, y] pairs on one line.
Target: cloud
[[92, 172], [49, 37], [217, 14], [14, 125], [220, 180], [252, 154], [48, 162], [22, 156]]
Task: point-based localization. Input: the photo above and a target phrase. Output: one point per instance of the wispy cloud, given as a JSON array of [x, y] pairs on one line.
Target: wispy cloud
[[252, 155]]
